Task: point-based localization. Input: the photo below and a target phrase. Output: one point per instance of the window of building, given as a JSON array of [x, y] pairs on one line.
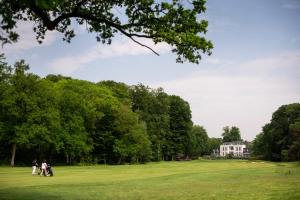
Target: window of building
[[231, 148]]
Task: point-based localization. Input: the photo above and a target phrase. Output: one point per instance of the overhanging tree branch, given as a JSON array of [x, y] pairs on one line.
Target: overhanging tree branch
[[173, 22], [51, 24]]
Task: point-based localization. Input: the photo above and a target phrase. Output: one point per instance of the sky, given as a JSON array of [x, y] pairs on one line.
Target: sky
[[254, 68]]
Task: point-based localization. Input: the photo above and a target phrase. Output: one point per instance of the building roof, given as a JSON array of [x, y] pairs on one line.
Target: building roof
[[233, 143]]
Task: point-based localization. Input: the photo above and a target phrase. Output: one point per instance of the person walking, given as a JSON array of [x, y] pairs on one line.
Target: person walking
[[34, 166], [44, 168]]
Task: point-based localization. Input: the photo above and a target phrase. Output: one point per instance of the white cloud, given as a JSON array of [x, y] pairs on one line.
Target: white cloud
[[27, 39], [244, 94], [70, 63], [217, 61], [287, 63]]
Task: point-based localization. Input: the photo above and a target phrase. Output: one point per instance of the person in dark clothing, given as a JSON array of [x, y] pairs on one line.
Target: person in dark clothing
[[49, 170]]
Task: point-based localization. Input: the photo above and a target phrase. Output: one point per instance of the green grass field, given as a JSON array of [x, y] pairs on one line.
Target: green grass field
[[203, 179]]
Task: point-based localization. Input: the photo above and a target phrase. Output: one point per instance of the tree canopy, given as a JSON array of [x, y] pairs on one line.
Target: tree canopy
[[69, 121], [231, 134], [176, 22], [280, 139], [198, 141]]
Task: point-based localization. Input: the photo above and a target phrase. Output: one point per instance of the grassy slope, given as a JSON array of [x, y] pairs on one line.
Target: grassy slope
[[166, 180]]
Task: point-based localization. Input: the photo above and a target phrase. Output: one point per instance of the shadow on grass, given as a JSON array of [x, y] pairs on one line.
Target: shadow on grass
[[24, 194]]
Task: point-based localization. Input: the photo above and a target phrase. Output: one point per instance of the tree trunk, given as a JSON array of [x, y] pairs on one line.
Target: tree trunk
[[104, 160], [67, 158], [158, 153], [13, 154]]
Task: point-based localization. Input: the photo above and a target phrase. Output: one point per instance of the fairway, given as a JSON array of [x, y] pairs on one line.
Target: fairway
[[201, 179]]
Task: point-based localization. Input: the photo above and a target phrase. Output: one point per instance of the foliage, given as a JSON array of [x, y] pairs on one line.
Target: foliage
[[231, 134], [180, 125], [294, 148], [280, 138], [71, 121], [18, 103], [176, 23], [213, 143], [153, 108], [197, 141]]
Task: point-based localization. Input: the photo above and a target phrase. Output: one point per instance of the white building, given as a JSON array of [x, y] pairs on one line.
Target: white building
[[236, 149]]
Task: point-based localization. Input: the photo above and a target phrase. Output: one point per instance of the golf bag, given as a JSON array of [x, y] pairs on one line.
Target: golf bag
[[49, 170]]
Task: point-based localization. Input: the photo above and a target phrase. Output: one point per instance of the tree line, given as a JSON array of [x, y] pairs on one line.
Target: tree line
[[280, 139], [68, 121]]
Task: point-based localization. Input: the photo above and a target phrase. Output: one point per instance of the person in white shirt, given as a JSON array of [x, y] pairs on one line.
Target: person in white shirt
[[34, 165], [44, 168]]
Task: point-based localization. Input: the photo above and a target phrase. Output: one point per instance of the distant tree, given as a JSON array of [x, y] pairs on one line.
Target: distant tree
[[159, 125], [73, 138], [259, 147], [43, 122], [279, 140], [5, 73], [180, 126], [120, 90], [231, 134], [294, 148], [133, 144], [174, 22], [198, 141], [152, 106], [213, 143], [141, 100], [56, 78]]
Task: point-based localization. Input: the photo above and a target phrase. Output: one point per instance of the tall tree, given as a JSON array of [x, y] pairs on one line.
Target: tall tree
[[213, 144], [279, 140], [259, 148], [180, 125], [5, 86], [174, 22], [152, 106], [119, 90], [73, 138], [294, 148], [198, 141], [132, 143], [159, 123], [17, 103], [231, 134], [43, 122]]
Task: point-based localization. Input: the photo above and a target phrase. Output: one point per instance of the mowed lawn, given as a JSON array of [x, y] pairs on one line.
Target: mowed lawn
[[201, 179]]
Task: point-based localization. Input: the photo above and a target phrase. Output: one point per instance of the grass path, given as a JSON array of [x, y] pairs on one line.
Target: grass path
[[231, 179]]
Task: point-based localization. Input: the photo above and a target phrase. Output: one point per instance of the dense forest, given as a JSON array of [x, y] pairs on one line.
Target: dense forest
[[68, 121]]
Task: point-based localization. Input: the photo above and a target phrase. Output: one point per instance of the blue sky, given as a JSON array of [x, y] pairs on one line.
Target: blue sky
[[254, 68]]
